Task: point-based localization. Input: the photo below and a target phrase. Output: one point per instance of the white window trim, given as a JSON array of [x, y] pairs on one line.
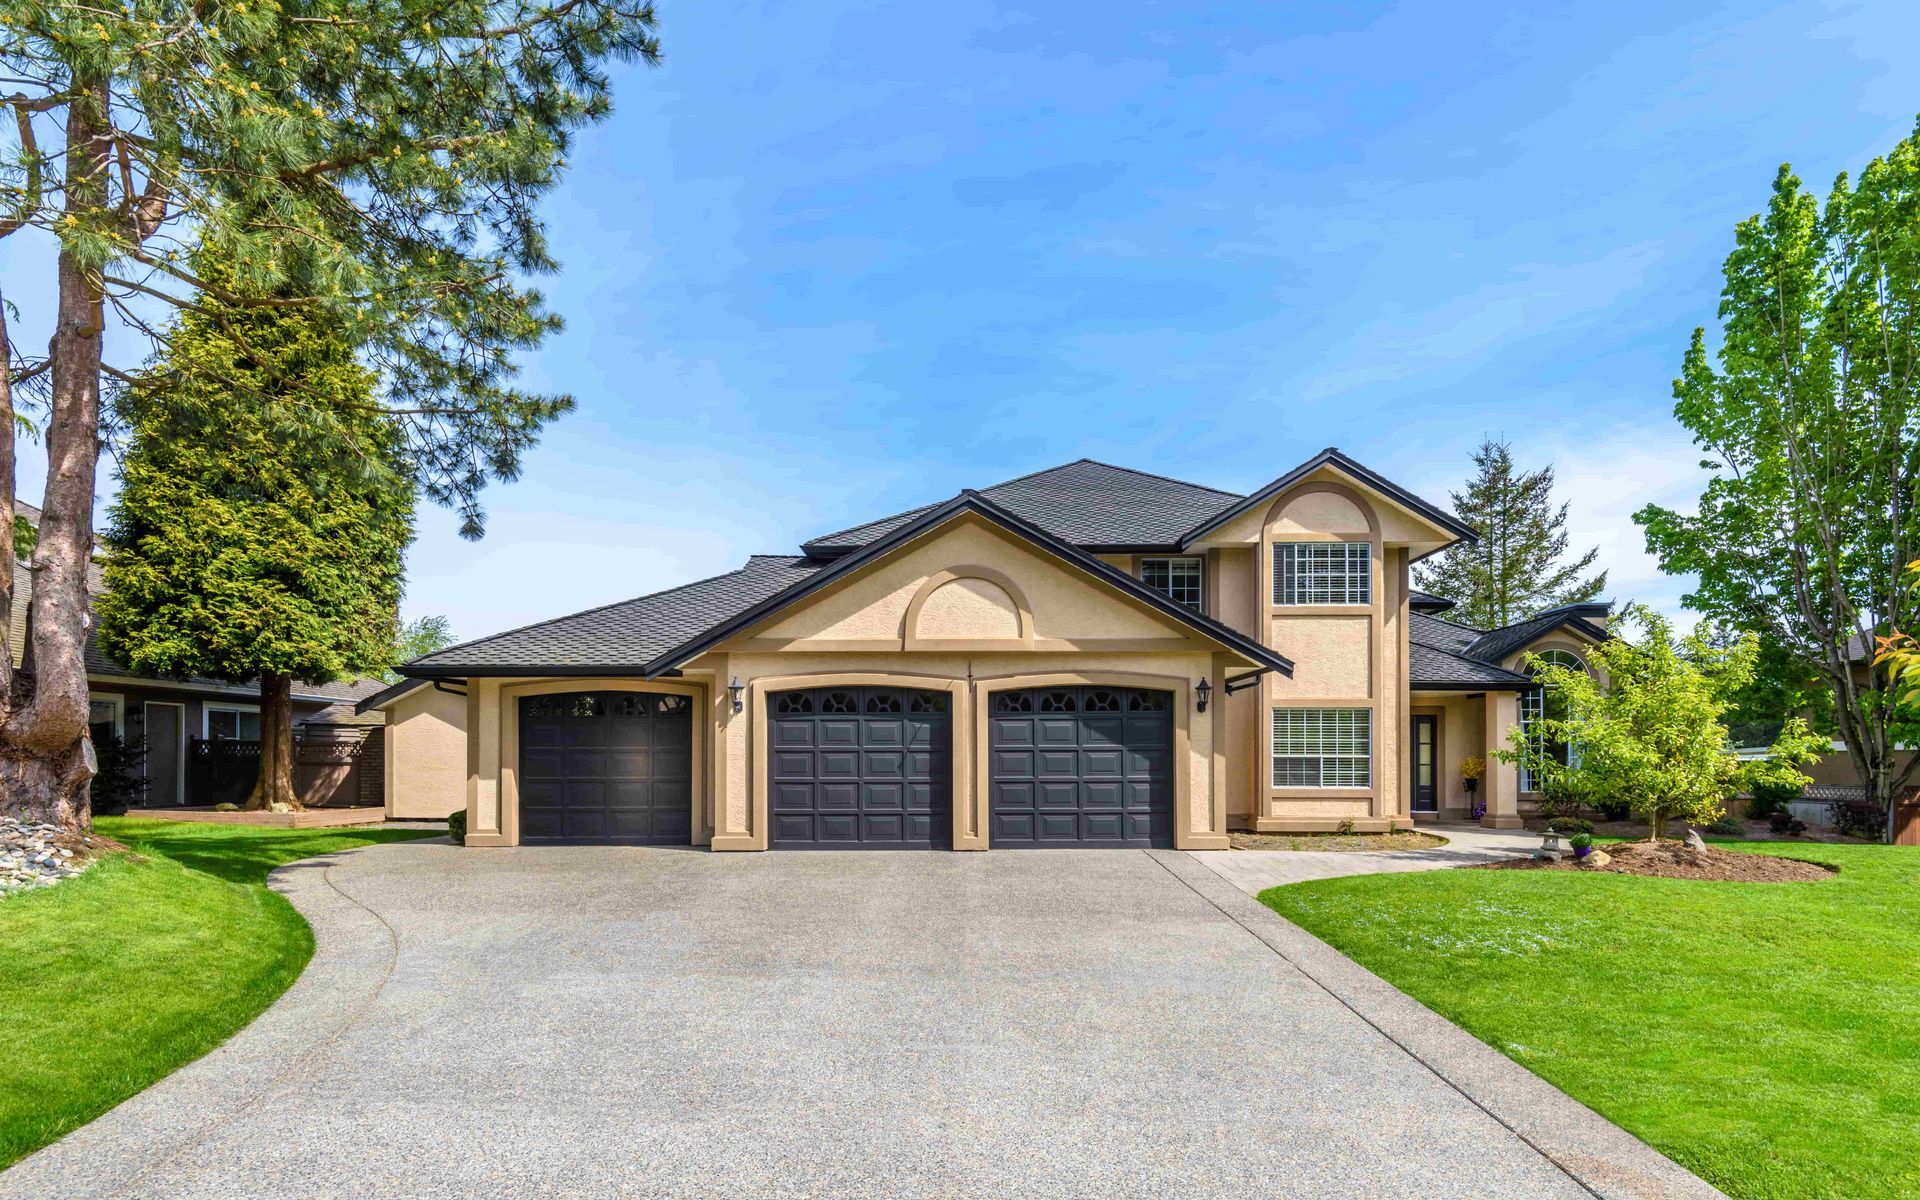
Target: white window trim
[[1277, 551], [1273, 756], [119, 703], [207, 709], [1200, 565], [1534, 702]]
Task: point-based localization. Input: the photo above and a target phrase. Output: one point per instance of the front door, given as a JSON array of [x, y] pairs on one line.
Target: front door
[[1426, 769], [166, 753]]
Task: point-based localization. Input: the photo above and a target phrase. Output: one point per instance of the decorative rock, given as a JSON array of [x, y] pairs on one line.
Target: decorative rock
[[1695, 842], [33, 855], [1595, 858]]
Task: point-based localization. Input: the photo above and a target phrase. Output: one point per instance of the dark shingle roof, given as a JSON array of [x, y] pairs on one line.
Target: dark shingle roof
[[1087, 503], [1496, 644], [1427, 602], [1437, 657], [627, 634]]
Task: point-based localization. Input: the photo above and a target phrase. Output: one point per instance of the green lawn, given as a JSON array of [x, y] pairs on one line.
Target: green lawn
[[1766, 1036], [112, 980]]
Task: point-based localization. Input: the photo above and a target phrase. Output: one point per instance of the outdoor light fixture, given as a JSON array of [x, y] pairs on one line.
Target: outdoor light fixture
[[734, 689], [1204, 693]]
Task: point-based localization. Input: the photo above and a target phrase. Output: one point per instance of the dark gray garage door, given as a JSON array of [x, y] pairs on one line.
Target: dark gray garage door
[[606, 767], [860, 769], [1081, 766]]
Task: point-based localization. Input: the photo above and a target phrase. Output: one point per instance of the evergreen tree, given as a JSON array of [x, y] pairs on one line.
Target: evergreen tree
[[1515, 569], [263, 509], [378, 159]]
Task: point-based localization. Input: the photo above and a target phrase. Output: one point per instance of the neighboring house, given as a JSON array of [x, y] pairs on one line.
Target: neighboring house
[[1086, 656], [201, 736]]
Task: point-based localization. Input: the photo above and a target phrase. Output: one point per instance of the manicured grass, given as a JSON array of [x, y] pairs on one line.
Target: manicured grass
[[110, 981], [1766, 1036]]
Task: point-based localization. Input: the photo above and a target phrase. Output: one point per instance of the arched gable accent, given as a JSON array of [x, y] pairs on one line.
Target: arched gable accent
[[933, 601], [1333, 487]]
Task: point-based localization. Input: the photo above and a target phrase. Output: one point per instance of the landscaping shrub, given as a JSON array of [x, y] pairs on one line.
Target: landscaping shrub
[[1728, 825], [457, 826], [1859, 818], [1612, 808], [226, 806], [121, 781], [1786, 824], [1570, 825]]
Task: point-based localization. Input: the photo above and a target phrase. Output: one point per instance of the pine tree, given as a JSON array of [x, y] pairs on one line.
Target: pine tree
[[248, 542], [379, 159], [1515, 569]]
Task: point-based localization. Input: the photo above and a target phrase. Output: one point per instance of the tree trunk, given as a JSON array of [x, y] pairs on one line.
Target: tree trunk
[[273, 788], [46, 757]]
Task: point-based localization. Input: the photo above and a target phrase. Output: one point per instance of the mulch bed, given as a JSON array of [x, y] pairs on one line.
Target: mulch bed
[[1348, 843], [1674, 860]]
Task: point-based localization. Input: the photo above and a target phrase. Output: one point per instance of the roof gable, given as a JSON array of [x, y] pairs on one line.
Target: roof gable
[[1498, 644], [1332, 458], [971, 503]]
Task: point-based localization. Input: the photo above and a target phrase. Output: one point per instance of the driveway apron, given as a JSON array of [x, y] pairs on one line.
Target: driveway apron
[[617, 1021]]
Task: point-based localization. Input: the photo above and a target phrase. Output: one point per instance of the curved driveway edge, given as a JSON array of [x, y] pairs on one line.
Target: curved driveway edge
[[353, 955], [614, 1022], [1606, 1159]]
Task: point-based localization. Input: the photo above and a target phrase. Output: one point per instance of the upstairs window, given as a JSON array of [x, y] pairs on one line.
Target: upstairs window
[[1178, 579], [1322, 573]]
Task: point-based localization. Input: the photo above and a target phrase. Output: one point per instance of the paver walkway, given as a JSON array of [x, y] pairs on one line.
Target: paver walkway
[[1254, 871], [619, 1022]]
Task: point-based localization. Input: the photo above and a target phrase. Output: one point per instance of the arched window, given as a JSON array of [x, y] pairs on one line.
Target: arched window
[[1542, 703]]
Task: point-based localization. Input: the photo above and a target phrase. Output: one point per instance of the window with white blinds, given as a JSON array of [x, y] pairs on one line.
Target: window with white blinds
[[1322, 573], [1322, 747]]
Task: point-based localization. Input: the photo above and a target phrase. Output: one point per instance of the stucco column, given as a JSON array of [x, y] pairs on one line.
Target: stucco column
[[1502, 781], [485, 826]]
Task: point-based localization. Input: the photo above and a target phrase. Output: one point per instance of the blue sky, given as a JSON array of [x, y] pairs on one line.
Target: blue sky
[[837, 259]]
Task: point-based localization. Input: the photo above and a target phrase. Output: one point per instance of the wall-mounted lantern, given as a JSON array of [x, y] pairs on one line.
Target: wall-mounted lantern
[[734, 689], [1203, 693]]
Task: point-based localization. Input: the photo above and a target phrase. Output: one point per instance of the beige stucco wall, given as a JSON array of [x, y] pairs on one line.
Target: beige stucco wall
[[873, 606], [426, 755]]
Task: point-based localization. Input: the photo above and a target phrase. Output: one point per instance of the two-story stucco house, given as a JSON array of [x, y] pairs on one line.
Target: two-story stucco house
[[1087, 656]]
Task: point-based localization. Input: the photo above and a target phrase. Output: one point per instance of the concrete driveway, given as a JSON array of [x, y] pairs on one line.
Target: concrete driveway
[[593, 1022]]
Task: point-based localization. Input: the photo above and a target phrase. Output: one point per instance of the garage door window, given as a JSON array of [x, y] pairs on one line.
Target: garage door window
[[1322, 747]]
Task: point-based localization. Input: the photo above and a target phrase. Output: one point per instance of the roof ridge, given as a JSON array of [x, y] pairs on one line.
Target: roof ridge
[[679, 587], [826, 539], [822, 540], [1148, 475]]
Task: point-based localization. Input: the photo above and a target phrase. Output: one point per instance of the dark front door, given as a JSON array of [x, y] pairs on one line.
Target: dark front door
[[860, 769], [1081, 766], [1426, 766], [166, 752], [606, 767]]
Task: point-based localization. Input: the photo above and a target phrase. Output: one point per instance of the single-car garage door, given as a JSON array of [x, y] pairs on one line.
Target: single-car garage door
[[860, 769], [1081, 766], [606, 767]]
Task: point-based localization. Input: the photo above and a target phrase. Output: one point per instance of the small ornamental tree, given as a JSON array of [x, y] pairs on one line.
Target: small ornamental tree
[[257, 539], [1652, 735], [1777, 780], [417, 639], [1900, 654]]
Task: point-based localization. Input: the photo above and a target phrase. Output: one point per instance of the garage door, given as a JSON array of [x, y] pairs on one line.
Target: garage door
[[1081, 766], [606, 767], [860, 769]]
